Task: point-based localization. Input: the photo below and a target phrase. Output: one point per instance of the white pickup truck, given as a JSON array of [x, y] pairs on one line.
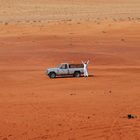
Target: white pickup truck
[[66, 69]]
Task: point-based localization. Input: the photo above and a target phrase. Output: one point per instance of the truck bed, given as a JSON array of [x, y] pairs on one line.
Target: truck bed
[[76, 66]]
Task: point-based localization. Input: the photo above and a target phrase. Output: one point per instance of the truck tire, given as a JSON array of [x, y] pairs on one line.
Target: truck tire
[[52, 75], [77, 74]]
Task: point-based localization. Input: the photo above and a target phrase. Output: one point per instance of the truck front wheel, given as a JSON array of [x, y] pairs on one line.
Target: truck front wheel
[[77, 74], [52, 75]]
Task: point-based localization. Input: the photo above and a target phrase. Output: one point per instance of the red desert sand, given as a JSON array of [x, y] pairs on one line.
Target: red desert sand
[[38, 34]]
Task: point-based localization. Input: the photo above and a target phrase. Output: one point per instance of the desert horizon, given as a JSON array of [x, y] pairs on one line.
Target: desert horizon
[[63, 10]]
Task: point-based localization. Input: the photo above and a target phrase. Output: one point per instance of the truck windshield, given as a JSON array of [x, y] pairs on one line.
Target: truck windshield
[[58, 66]]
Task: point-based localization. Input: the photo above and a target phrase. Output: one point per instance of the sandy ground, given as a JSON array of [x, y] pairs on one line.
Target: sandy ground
[[63, 10], [34, 107]]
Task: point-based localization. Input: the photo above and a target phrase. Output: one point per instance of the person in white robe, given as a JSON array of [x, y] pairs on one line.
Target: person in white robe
[[85, 68]]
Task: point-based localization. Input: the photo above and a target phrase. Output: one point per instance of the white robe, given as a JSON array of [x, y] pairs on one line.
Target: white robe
[[85, 68]]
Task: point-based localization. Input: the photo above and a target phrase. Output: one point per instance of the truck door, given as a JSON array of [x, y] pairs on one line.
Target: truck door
[[63, 69]]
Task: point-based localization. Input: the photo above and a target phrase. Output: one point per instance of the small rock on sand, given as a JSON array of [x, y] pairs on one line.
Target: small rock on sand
[[131, 116]]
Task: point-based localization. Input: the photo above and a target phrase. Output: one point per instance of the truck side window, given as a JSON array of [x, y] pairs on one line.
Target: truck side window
[[64, 66]]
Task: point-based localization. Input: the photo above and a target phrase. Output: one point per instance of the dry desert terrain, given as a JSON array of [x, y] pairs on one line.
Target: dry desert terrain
[[38, 34]]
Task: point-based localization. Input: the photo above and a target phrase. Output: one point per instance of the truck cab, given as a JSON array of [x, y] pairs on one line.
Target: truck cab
[[63, 68]]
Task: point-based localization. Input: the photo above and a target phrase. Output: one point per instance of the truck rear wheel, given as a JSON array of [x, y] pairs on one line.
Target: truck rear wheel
[[52, 75], [77, 74]]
